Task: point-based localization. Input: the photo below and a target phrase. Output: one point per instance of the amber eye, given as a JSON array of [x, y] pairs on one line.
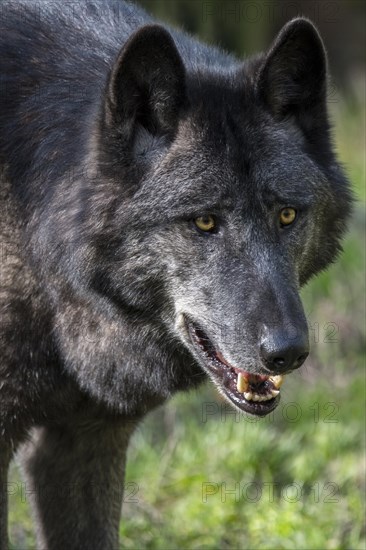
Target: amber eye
[[205, 223], [287, 216]]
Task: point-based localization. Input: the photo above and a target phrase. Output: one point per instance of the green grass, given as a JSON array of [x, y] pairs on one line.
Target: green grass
[[291, 480], [296, 477]]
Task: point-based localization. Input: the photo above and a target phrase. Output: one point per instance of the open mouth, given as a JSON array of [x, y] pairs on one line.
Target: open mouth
[[255, 394]]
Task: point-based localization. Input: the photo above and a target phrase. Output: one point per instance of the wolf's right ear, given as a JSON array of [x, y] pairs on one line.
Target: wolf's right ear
[[147, 85], [293, 77]]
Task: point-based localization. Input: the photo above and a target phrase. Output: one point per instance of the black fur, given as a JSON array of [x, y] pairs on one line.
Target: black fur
[[115, 134]]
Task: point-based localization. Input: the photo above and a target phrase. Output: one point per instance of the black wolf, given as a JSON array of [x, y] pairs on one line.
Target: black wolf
[[161, 204]]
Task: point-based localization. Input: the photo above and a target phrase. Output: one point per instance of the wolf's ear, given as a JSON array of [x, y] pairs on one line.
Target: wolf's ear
[[146, 85], [292, 78]]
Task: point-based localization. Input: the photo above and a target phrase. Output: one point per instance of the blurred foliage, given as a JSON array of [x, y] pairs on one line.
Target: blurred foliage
[[296, 477], [245, 27], [217, 22]]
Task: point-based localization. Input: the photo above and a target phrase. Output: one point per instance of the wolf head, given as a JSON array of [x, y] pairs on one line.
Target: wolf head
[[227, 197]]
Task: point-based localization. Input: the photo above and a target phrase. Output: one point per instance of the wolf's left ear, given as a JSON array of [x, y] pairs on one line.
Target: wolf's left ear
[[146, 85], [292, 78]]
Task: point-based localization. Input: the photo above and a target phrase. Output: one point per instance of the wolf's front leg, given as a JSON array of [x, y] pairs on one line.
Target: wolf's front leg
[[74, 479]]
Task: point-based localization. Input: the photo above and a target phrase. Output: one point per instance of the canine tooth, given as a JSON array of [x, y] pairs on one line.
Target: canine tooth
[[277, 381], [274, 393], [248, 395], [242, 383]]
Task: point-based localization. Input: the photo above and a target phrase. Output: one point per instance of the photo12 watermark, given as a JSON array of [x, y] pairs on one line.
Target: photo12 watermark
[[125, 492], [291, 413], [254, 491]]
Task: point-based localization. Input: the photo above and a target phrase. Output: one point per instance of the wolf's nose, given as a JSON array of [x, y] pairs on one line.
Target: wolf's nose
[[281, 352]]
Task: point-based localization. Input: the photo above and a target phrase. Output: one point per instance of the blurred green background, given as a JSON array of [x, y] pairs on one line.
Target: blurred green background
[[200, 476]]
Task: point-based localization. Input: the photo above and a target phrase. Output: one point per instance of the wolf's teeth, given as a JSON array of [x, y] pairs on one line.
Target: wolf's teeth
[[266, 397], [249, 396], [242, 383], [277, 381]]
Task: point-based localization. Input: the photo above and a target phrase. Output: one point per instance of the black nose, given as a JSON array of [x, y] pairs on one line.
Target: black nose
[[282, 352]]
